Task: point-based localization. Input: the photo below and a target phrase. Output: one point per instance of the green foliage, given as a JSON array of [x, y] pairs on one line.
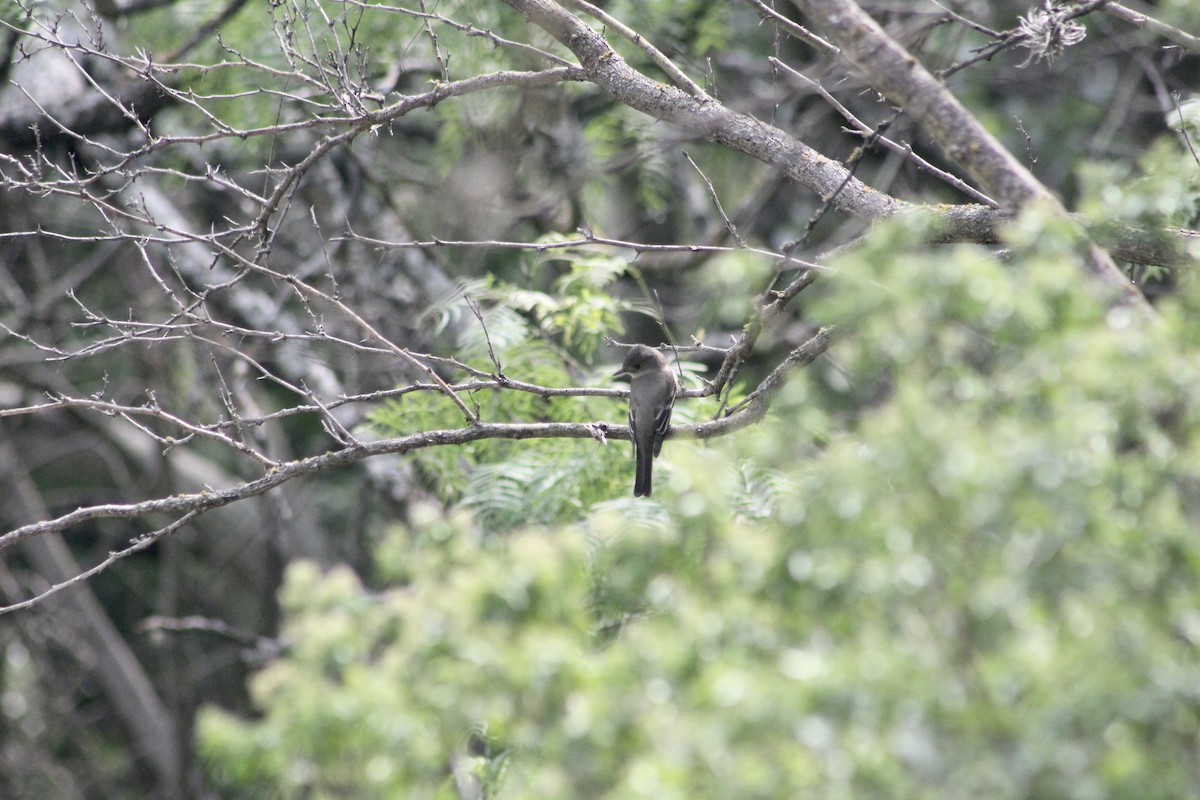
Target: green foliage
[[544, 482], [501, 476], [1181, 13], [1165, 190], [983, 584], [693, 28], [730, 282], [626, 137], [1162, 193], [579, 310]]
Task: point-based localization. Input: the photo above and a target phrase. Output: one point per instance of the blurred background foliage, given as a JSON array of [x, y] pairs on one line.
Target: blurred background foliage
[[958, 558], [981, 582]]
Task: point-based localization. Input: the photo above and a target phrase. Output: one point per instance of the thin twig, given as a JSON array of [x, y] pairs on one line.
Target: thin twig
[[478, 312], [141, 543], [1183, 129], [793, 29], [712, 193]]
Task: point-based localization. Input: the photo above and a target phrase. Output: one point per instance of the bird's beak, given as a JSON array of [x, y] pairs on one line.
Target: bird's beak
[[620, 373]]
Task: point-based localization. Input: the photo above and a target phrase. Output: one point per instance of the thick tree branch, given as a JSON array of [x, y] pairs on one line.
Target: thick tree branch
[[891, 69], [707, 118], [1000, 174]]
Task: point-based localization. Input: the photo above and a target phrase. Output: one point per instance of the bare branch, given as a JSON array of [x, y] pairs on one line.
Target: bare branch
[[191, 504], [791, 28], [1148, 23], [894, 72], [707, 118], [141, 543]]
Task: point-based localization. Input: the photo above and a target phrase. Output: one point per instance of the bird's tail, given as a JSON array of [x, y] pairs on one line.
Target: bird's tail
[[644, 469]]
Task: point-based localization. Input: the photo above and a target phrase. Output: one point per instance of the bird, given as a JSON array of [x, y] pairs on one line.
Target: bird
[[652, 388]]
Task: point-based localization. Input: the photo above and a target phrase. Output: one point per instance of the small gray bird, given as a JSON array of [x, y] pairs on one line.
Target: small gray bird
[[651, 398]]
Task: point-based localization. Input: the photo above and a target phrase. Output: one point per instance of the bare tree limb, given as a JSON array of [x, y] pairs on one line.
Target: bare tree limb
[[957, 131], [1139, 20], [896, 73], [704, 117], [187, 505]]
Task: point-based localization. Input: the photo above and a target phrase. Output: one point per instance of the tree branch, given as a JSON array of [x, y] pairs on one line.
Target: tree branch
[[705, 117], [186, 506], [998, 172], [891, 69], [1139, 20]]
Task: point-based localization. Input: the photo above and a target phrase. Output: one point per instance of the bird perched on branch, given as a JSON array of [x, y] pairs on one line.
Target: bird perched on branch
[[652, 389]]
